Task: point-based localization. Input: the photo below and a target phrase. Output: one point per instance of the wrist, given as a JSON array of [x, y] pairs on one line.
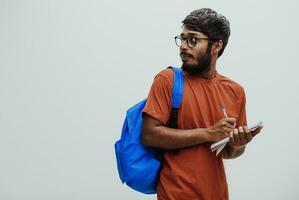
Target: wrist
[[237, 149], [234, 151], [207, 134]]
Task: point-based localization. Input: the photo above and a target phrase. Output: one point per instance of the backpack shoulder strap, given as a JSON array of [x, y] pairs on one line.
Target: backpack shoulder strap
[[177, 95]]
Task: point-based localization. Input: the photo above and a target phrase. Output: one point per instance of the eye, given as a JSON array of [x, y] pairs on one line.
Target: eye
[[192, 41]]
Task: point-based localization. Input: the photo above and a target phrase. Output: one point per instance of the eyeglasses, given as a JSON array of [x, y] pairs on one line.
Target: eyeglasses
[[191, 41]]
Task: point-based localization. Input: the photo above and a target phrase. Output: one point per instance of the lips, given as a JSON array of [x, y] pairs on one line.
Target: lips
[[185, 56]]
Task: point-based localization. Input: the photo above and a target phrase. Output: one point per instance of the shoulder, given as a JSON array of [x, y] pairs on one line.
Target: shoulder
[[166, 76], [166, 73], [233, 85]]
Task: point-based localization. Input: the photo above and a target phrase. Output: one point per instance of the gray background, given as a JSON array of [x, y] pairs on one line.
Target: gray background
[[70, 69]]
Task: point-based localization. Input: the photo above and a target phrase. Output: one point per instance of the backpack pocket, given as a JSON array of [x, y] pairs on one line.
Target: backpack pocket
[[119, 163]]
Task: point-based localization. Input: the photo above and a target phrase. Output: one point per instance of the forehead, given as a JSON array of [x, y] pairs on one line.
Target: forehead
[[189, 32]]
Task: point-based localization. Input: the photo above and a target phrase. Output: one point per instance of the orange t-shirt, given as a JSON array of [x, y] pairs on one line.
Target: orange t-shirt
[[195, 172]]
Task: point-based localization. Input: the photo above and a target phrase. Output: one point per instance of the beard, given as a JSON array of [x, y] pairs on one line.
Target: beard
[[203, 64]]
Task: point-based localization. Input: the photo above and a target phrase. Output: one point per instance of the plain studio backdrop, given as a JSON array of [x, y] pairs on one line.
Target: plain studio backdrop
[[70, 69]]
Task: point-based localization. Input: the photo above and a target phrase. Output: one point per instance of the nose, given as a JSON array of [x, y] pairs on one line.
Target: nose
[[184, 46]]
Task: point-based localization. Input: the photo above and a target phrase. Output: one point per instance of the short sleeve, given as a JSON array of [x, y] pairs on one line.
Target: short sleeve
[[242, 120], [158, 104]]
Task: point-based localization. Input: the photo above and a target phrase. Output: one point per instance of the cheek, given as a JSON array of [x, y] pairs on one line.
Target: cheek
[[200, 52], [198, 56]]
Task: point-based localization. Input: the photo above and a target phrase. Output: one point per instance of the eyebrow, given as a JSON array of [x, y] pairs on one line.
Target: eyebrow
[[190, 34]]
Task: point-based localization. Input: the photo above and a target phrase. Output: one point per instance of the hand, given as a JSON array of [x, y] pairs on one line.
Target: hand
[[221, 129], [242, 136]]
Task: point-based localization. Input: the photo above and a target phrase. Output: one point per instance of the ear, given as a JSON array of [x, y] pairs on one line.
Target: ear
[[217, 46]]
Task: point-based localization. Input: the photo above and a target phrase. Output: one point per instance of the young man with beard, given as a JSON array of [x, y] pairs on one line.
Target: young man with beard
[[189, 169]]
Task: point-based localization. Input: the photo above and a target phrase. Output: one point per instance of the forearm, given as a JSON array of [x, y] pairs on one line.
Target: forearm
[[231, 152], [169, 138], [156, 134]]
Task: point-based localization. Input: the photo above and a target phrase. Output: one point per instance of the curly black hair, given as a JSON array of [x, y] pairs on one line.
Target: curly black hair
[[210, 23]]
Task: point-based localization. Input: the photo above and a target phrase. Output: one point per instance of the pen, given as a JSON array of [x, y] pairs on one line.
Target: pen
[[224, 112], [218, 146], [226, 116]]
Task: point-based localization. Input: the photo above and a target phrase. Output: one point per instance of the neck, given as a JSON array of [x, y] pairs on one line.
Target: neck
[[212, 72]]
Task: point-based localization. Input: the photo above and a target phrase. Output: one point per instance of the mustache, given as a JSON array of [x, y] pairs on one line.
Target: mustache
[[185, 54]]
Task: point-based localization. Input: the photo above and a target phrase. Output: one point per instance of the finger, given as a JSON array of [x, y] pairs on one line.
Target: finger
[[228, 129], [232, 140], [256, 131], [228, 125], [241, 135], [236, 137], [222, 123], [248, 134], [230, 120]]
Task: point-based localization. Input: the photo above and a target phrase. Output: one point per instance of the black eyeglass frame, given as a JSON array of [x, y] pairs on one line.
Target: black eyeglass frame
[[187, 39]]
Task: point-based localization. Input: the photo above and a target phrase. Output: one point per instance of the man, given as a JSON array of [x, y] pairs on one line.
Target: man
[[189, 169]]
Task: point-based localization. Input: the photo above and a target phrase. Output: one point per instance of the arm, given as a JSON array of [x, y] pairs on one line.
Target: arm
[[234, 148], [155, 134]]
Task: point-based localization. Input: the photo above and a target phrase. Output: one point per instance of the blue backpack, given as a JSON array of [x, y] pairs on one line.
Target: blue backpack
[[138, 165]]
